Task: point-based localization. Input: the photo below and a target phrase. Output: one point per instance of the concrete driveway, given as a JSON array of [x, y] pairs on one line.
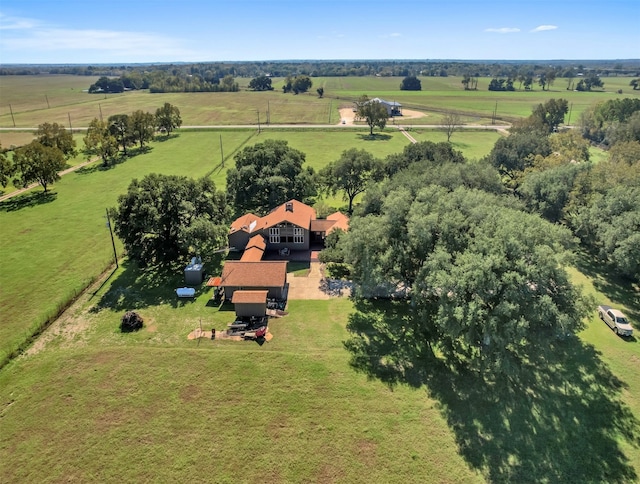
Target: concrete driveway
[[316, 286]]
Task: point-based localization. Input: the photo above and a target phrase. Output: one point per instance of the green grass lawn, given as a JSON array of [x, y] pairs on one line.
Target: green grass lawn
[[52, 246], [90, 403], [154, 404]]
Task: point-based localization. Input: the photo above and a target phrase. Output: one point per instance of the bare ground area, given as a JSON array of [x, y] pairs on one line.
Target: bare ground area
[[348, 115]]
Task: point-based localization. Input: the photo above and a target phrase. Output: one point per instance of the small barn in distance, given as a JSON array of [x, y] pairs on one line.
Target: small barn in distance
[[393, 108]]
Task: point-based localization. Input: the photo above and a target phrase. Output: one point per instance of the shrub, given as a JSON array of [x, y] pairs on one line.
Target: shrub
[[131, 321]]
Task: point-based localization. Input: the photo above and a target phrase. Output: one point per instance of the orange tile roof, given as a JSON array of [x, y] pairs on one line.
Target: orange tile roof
[[300, 215], [252, 254], [341, 221], [244, 223], [249, 297], [322, 225], [254, 274], [258, 242]]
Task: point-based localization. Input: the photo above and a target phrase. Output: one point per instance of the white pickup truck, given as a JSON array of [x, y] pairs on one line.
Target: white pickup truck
[[615, 320]]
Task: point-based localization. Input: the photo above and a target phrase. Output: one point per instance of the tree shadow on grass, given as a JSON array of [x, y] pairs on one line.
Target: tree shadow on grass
[[30, 199], [374, 137], [561, 420], [608, 281], [135, 288]]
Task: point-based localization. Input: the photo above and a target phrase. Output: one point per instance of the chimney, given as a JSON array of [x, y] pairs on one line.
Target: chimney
[[288, 207]]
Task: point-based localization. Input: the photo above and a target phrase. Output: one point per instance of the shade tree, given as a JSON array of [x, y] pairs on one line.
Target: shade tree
[[162, 219], [168, 118], [268, 174], [56, 136], [36, 162], [372, 112], [351, 174], [484, 282], [100, 142]]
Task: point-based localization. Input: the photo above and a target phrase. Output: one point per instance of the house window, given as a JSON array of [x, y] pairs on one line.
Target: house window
[[274, 235], [298, 236]]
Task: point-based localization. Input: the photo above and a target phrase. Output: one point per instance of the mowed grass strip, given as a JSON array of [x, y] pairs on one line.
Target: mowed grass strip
[[291, 410]]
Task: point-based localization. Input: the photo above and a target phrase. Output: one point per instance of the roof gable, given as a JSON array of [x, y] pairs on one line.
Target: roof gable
[[293, 211], [248, 223]]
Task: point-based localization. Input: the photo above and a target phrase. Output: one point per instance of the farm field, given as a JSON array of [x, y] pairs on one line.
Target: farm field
[[61, 99]]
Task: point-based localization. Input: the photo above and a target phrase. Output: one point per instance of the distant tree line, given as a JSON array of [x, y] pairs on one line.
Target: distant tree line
[[218, 70]]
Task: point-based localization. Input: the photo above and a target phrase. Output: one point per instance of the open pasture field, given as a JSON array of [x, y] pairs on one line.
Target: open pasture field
[[446, 93], [90, 403], [28, 97], [52, 246], [99, 405]]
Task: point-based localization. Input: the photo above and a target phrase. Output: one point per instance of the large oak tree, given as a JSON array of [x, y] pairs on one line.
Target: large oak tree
[[163, 218], [484, 282], [268, 174]]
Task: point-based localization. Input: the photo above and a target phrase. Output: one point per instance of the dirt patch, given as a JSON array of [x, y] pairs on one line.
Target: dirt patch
[[348, 116], [190, 393], [366, 452]]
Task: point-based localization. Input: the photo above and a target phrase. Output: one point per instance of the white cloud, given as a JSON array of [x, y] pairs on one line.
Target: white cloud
[[542, 28], [504, 30], [16, 23], [394, 34], [23, 39]]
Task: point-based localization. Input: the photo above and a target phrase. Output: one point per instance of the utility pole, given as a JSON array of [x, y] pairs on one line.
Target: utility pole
[[330, 101], [12, 118], [100, 108], [268, 113], [113, 242], [221, 152], [258, 111], [70, 128], [47, 99]]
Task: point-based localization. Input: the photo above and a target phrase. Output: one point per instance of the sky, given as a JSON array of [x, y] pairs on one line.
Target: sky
[[146, 31]]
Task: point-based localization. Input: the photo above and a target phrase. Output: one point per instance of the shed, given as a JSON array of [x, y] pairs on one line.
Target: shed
[[194, 272], [250, 303]]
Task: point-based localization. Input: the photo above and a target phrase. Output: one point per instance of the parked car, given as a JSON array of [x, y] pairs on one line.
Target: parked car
[[616, 320]]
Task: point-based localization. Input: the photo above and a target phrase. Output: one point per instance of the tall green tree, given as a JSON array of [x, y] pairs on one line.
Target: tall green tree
[[168, 118], [100, 142], [260, 83], [121, 129], [56, 136], [6, 168], [165, 219], [486, 281], [513, 154], [411, 83], [351, 174], [372, 112], [36, 162], [142, 127], [268, 174]]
